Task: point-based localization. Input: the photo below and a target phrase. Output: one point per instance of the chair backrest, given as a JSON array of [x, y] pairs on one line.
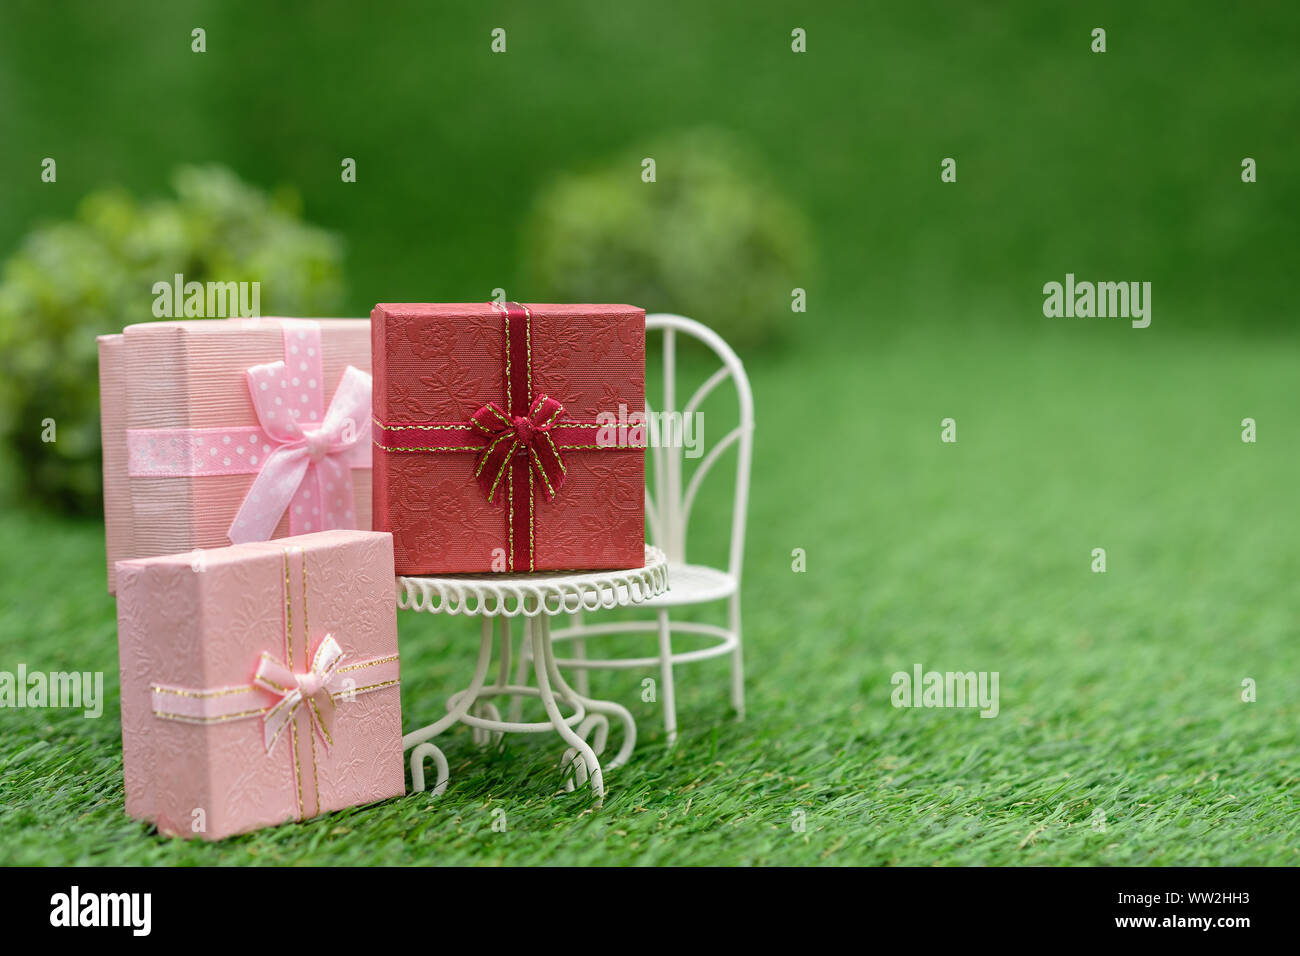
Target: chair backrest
[[668, 507]]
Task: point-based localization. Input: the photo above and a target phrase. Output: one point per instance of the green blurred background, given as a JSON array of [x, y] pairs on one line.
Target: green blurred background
[[1119, 165], [924, 300]]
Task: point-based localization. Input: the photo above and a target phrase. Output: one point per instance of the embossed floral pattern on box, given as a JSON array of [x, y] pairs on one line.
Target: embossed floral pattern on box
[[214, 645], [438, 366]]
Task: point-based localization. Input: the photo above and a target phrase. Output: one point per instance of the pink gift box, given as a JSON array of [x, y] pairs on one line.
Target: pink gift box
[[259, 682], [221, 431]]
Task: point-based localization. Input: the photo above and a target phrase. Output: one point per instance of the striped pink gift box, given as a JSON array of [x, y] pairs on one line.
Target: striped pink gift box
[[219, 431]]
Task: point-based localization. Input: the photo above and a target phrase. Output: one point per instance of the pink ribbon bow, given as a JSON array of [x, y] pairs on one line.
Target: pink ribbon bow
[[294, 690], [317, 456]]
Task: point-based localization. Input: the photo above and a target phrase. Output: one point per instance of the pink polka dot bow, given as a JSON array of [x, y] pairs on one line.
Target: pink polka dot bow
[[309, 469]]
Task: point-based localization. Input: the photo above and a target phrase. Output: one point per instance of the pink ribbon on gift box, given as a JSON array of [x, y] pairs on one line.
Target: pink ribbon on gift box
[[301, 453], [294, 690], [277, 692]]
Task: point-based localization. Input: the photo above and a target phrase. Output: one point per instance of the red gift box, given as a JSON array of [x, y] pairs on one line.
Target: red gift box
[[505, 436]]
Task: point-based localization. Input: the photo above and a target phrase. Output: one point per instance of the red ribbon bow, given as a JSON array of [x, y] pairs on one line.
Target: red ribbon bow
[[520, 436]]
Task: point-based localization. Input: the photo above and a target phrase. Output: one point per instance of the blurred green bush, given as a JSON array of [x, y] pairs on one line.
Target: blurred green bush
[[71, 281], [711, 238]]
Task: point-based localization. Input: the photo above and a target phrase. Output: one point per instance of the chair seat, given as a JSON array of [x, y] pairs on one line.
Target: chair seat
[[693, 584]]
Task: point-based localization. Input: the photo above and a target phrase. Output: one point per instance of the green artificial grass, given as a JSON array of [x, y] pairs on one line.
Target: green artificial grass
[[1119, 692]]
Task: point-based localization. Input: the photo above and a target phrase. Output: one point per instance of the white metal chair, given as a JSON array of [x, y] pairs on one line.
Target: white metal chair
[[668, 511]]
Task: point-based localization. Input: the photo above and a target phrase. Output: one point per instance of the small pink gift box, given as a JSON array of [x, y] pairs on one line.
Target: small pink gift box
[[221, 431], [259, 682]]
